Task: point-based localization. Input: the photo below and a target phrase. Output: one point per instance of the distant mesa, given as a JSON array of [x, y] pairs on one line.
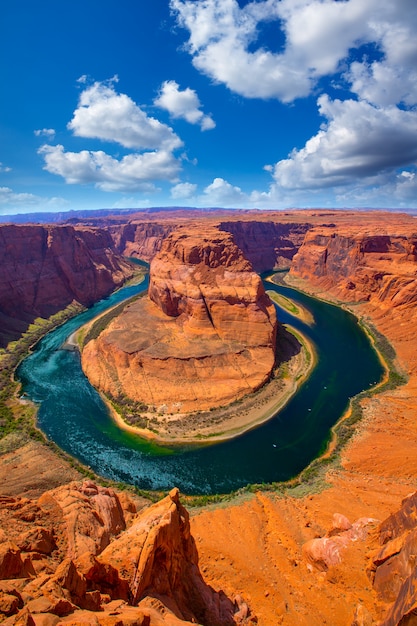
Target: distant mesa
[[204, 337]]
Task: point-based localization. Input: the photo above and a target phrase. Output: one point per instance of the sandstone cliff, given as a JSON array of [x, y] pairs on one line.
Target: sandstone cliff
[[142, 240], [45, 268], [267, 244], [255, 545], [205, 336], [83, 554], [356, 264]]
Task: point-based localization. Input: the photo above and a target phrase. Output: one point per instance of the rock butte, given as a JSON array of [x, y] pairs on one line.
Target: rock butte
[[358, 572], [205, 336]]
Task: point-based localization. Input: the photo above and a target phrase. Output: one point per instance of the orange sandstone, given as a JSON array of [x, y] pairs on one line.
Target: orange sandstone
[[204, 337]]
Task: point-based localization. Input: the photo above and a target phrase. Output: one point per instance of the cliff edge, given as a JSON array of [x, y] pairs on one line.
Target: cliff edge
[[46, 268], [204, 337]]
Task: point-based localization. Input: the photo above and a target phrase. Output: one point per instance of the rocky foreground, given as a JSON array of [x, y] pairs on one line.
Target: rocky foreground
[[83, 554], [204, 337]]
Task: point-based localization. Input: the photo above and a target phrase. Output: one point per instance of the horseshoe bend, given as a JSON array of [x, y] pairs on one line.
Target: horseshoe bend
[[338, 547], [205, 336]]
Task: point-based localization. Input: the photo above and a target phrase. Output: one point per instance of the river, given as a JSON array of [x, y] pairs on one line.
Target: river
[[72, 414]]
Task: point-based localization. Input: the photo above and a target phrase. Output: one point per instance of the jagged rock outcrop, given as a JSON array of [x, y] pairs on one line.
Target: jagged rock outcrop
[[204, 337], [146, 575], [359, 264], [43, 269], [394, 568]]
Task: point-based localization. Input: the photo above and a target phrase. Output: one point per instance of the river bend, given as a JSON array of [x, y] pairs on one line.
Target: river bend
[[72, 414]]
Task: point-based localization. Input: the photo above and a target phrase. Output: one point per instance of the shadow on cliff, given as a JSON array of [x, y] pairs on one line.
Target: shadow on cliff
[[287, 346]]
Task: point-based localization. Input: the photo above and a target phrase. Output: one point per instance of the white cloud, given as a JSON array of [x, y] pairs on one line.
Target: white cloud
[[358, 141], [134, 172], [221, 193], [183, 190], [183, 104], [318, 35], [5, 168], [45, 132], [104, 114], [12, 202]]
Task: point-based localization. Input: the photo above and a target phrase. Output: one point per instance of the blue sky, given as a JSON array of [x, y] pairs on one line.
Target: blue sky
[[269, 104]]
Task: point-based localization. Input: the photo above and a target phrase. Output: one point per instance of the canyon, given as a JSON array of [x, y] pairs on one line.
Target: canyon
[[336, 550], [46, 268]]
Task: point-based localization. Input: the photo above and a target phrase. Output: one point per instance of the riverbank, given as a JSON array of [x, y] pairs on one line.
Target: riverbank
[[297, 361]]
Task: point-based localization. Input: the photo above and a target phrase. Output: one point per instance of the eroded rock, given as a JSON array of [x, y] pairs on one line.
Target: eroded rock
[[204, 337]]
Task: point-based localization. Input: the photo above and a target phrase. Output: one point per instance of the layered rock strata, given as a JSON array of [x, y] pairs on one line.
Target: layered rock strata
[[84, 554], [204, 337], [359, 264], [142, 240], [43, 269], [267, 244]]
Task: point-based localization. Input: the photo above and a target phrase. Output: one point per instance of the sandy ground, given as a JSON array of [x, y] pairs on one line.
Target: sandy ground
[[33, 469]]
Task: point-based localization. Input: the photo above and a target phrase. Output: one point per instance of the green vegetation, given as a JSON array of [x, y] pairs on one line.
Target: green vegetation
[[17, 420], [85, 335], [284, 302], [15, 417], [130, 410]]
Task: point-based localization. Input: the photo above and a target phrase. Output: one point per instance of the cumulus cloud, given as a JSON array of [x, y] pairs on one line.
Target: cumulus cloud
[[318, 35], [183, 104], [104, 114], [358, 141], [183, 190], [134, 172], [45, 132], [221, 193], [5, 168], [12, 202]]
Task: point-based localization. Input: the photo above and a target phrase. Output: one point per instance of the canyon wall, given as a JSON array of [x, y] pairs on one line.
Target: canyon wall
[[205, 336], [43, 269], [142, 240], [357, 264], [267, 244]]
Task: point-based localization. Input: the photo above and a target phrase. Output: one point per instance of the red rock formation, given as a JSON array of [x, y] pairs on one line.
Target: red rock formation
[[323, 552], [355, 264], [147, 575], [267, 244], [205, 336], [142, 240], [394, 568], [45, 268]]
